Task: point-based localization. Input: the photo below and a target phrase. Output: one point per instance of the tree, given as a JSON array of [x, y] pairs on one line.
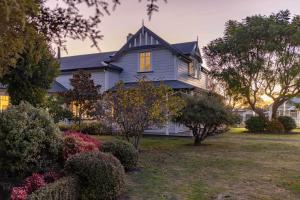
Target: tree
[[84, 94], [66, 20], [205, 115], [138, 108], [56, 108], [260, 55], [35, 71]]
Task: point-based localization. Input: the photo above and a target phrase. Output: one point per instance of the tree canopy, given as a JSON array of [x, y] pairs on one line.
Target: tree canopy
[[260, 55], [138, 108], [19, 19], [205, 115], [33, 74]]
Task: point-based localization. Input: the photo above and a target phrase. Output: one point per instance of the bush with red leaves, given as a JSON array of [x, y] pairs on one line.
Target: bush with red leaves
[[75, 142], [18, 193], [33, 183]]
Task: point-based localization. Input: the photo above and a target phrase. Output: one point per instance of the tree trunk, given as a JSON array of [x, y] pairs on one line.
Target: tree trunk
[[275, 107], [197, 141]]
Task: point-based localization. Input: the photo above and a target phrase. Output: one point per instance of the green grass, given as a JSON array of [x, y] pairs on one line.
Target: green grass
[[227, 166]]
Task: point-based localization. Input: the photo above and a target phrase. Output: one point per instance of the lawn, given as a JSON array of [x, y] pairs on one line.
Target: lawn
[[230, 166]]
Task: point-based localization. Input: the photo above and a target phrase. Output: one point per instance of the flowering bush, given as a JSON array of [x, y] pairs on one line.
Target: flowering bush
[[33, 183], [75, 142], [18, 193]]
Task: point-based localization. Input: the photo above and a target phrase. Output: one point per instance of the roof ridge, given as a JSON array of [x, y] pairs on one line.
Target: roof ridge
[[88, 54]]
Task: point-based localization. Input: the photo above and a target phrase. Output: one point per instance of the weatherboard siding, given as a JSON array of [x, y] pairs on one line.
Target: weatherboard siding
[[113, 78], [183, 76], [162, 63]]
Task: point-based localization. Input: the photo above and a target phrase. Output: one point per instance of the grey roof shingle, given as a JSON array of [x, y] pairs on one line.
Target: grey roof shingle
[[84, 61], [185, 47], [170, 83], [56, 87]]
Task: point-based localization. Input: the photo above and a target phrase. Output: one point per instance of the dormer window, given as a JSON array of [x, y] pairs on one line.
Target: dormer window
[[145, 62]]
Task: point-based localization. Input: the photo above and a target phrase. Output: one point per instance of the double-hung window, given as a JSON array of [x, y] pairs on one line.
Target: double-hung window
[[145, 62]]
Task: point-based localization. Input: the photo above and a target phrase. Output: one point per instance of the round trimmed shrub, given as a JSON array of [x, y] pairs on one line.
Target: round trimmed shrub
[[29, 141], [287, 122], [124, 151], [101, 175], [256, 124], [275, 126]]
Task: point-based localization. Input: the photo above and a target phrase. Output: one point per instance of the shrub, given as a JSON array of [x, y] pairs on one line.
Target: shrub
[[68, 127], [101, 174], [95, 128], [287, 122], [19, 193], [33, 183], [65, 188], [275, 126], [29, 141], [124, 151], [77, 143], [256, 124]]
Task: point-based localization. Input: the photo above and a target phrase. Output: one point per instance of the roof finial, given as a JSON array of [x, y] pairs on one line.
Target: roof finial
[[197, 38], [143, 22]]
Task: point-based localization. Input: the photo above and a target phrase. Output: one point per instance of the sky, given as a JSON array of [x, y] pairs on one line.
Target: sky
[[177, 21]]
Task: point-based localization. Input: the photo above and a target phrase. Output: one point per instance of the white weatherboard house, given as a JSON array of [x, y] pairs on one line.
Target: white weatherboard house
[[178, 66]]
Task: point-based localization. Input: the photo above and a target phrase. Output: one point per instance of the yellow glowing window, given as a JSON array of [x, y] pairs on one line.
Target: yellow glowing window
[[74, 108], [4, 102], [145, 62]]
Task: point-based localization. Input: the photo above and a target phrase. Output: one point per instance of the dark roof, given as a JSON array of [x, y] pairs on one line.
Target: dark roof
[[56, 87], [185, 47], [87, 61], [170, 83], [164, 43]]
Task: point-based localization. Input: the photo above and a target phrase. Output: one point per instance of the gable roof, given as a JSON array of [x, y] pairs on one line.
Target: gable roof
[[56, 87], [185, 47], [159, 42], [87, 61]]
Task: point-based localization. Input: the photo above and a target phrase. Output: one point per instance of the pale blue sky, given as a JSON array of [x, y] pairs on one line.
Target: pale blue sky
[[177, 21]]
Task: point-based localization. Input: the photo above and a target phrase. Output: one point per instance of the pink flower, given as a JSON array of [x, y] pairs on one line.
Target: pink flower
[[34, 182], [18, 193]]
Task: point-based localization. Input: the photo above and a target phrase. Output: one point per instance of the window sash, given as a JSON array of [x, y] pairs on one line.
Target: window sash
[[145, 62]]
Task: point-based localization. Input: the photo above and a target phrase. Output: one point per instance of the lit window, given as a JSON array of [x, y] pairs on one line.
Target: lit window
[[191, 69], [4, 102], [145, 62]]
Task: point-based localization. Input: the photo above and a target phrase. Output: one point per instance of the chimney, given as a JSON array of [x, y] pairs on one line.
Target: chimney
[[129, 36]]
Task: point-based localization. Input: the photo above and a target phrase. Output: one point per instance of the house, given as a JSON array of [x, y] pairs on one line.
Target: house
[[289, 108], [146, 54]]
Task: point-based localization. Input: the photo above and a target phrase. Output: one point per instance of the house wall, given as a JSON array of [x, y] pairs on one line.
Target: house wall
[[97, 75], [182, 75], [162, 62], [113, 77]]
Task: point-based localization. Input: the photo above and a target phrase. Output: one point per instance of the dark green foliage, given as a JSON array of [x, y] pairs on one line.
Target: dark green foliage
[[124, 151], [258, 55], [68, 127], [33, 74], [101, 175], [95, 128], [55, 106], [275, 126], [65, 188], [84, 94], [205, 115], [28, 141], [287, 122], [256, 124]]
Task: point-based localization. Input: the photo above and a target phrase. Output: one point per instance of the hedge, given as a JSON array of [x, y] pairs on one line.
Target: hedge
[[65, 188]]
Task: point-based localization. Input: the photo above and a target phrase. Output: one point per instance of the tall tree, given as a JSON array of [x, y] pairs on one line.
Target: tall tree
[[84, 94], [35, 71], [19, 18], [260, 55], [138, 108]]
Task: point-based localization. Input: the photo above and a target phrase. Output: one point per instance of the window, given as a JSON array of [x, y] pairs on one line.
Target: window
[[4, 102], [191, 69], [145, 62]]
